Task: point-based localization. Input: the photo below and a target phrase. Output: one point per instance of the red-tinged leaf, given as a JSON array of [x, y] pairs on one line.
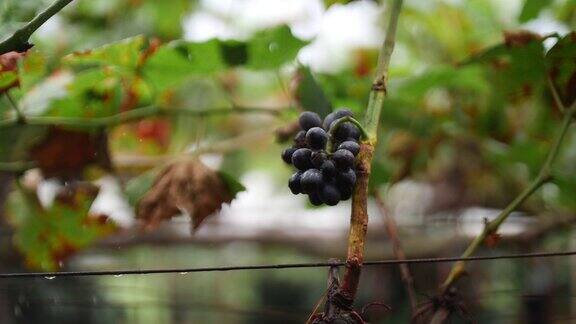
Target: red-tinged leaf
[[189, 187], [47, 236], [66, 153], [8, 70]]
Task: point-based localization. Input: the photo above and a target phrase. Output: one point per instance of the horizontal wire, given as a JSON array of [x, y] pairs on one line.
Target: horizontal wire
[[51, 275]]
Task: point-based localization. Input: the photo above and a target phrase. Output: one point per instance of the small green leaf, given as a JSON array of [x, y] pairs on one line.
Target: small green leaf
[[309, 94], [272, 48], [532, 9], [47, 236], [561, 67], [125, 53]]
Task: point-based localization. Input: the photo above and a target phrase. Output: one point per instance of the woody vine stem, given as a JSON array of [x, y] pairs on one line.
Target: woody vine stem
[[544, 176], [359, 213]]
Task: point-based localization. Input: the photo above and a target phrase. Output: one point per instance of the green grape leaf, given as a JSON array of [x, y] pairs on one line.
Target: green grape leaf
[[532, 9], [125, 53], [48, 236], [309, 93], [272, 48], [561, 67]]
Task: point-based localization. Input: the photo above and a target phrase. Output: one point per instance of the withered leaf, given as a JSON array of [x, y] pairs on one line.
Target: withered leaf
[[64, 153], [184, 186]]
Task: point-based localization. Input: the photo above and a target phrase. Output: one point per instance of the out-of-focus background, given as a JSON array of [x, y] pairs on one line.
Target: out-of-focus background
[[468, 121]]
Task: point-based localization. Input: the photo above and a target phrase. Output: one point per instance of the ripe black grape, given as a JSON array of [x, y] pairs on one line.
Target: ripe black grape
[[311, 181], [345, 131], [309, 119], [343, 159], [287, 155], [328, 169], [330, 195], [351, 146], [301, 159], [335, 115], [294, 183], [314, 199], [318, 158], [300, 139], [316, 138], [346, 178]]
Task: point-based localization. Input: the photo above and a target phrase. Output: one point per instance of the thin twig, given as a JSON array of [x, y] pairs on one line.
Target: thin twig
[[555, 94], [131, 116], [544, 175], [19, 115], [19, 41], [326, 264], [392, 230]]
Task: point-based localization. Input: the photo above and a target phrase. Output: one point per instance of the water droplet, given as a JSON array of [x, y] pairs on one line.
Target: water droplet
[[49, 277], [272, 47]]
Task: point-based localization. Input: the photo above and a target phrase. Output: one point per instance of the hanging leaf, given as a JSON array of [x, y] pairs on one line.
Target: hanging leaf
[[186, 187], [48, 236], [66, 153], [125, 53], [532, 9], [309, 94], [561, 67], [272, 48]]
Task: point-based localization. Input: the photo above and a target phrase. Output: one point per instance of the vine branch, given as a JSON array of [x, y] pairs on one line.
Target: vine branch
[[359, 213], [130, 116], [19, 41], [491, 227]]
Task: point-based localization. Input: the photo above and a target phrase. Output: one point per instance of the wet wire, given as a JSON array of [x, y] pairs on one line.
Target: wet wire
[[51, 275]]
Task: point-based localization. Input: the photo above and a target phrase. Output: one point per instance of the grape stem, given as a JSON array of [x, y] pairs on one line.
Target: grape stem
[[19, 41], [359, 214], [337, 123]]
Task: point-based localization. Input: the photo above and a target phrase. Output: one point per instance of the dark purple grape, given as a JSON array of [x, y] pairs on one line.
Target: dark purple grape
[[311, 181], [309, 119], [300, 139], [330, 195], [329, 169], [287, 155], [351, 146], [294, 183], [345, 131], [346, 178], [343, 159], [318, 158], [345, 192], [335, 115], [301, 159], [316, 138], [314, 199]]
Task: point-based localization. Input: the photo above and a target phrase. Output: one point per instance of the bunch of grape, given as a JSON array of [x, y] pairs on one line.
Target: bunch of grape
[[326, 176]]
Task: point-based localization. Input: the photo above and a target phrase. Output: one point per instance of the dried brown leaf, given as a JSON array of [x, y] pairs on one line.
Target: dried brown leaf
[[184, 186]]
